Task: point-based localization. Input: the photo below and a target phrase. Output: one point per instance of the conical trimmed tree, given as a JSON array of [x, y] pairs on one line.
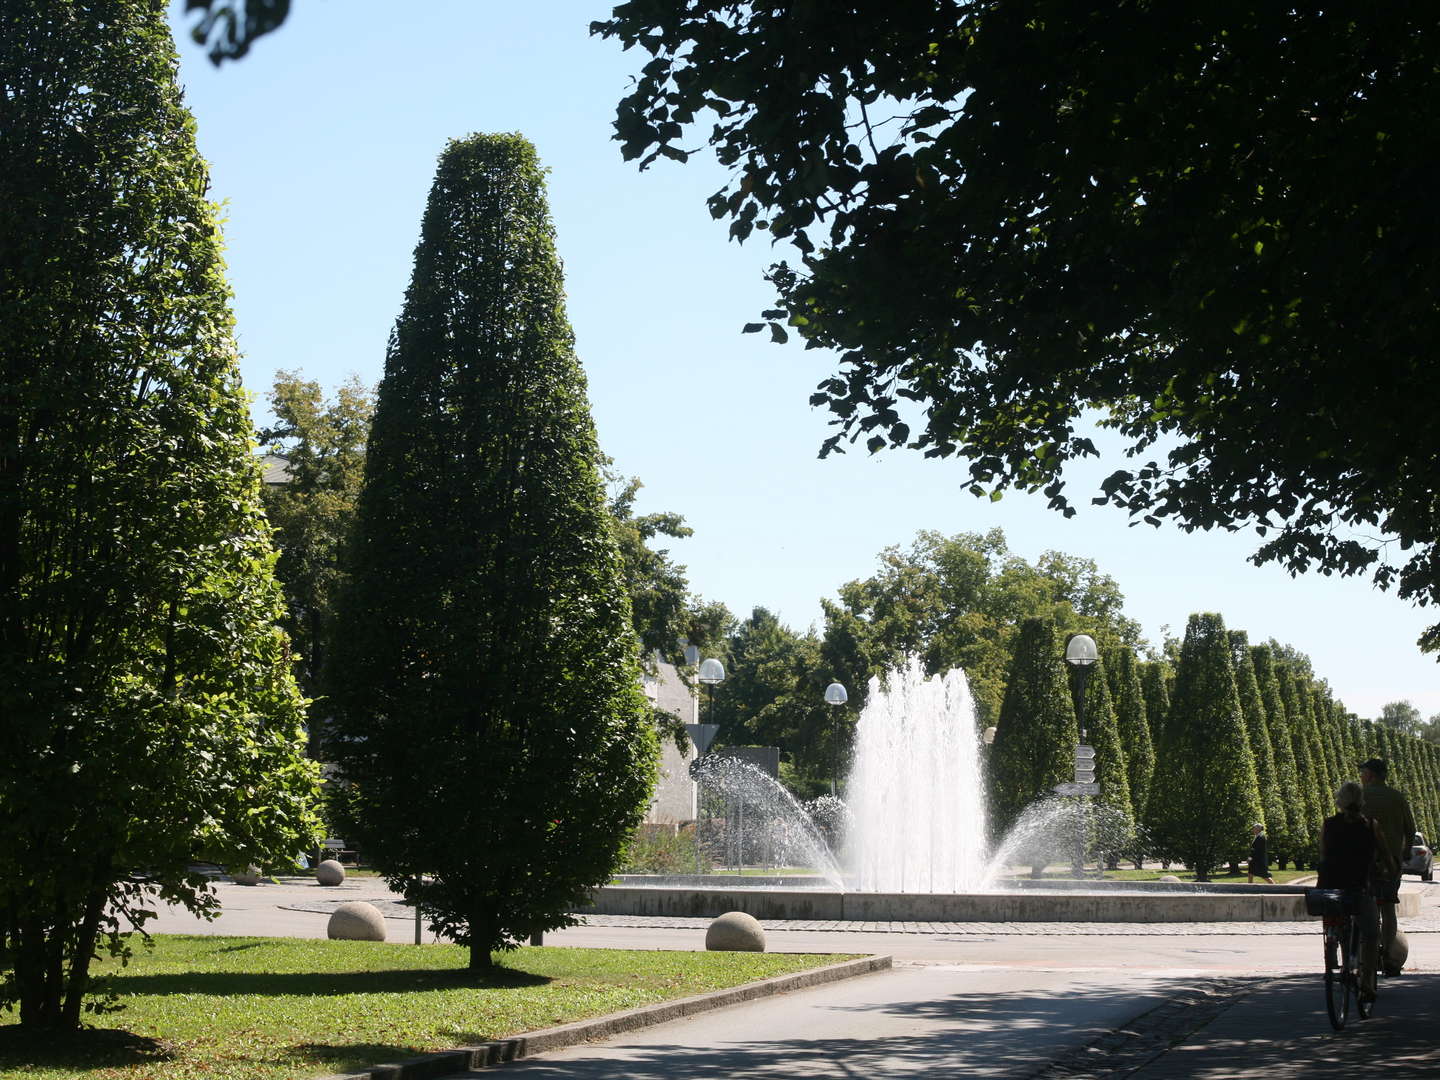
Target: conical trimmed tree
[[148, 714], [1036, 734], [488, 692], [1289, 833], [1206, 778], [1134, 727], [1115, 826], [1257, 729], [1309, 779]]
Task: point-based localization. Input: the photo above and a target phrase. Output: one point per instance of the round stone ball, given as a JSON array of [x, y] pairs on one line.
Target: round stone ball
[[1399, 951], [249, 876], [1168, 877], [735, 931], [329, 872], [356, 921]]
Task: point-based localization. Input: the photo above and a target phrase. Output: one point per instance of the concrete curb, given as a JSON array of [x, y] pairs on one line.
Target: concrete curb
[[446, 1062]]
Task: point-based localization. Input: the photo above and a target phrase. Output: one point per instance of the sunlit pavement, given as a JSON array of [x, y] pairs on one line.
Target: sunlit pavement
[[1001, 1002]]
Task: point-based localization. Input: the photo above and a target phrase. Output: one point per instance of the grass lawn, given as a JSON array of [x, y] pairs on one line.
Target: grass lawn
[[1219, 876], [283, 1009]]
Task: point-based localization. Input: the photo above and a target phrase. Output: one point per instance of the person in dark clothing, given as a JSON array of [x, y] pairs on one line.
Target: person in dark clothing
[[1348, 845], [1259, 858]]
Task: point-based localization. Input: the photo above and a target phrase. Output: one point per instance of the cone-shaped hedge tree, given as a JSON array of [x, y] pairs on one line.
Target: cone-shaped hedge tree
[[1257, 730], [488, 693], [1115, 828], [1295, 840], [1205, 781], [1128, 698], [1036, 734], [148, 716]]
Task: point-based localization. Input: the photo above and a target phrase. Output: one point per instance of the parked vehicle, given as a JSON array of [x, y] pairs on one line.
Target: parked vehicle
[[1420, 859]]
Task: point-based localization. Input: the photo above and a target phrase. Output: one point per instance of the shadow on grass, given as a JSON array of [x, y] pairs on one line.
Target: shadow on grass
[[347, 1057], [92, 1048], [322, 983]]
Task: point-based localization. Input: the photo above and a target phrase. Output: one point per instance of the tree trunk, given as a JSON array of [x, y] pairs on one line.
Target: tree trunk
[[79, 980]]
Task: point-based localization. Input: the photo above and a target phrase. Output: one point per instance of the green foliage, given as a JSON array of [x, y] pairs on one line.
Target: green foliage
[[1257, 733], [1205, 796], [957, 601], [150, 717], [487, 683], [1309, 787], [1289, 825], [663, 851], [313, 510], [998, 221], [1401, 716], [1112, 770], [1128, 697], [1035, 737]]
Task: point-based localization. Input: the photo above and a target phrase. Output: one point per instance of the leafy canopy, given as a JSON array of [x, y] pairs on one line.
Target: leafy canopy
[[1209, 226]]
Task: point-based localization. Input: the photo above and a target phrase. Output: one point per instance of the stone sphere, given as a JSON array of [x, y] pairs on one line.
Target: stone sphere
[[1399, 951], [356, 921], [1168, 877], [735, 931], [249, 876], [329, 872]]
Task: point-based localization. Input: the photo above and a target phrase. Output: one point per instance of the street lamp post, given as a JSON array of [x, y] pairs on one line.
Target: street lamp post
[[835, 695], [1081, 654], [710, 674]]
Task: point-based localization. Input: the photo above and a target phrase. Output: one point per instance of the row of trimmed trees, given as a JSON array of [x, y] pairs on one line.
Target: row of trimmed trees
[[1190, 754]]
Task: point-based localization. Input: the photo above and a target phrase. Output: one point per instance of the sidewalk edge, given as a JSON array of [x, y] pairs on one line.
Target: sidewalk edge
[[445, 1062]]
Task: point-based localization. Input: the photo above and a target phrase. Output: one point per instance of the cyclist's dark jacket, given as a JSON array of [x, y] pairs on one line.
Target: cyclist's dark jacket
[[1349, 846]]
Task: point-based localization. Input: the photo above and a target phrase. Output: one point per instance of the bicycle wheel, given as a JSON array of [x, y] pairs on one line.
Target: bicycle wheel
[[1338, 979]]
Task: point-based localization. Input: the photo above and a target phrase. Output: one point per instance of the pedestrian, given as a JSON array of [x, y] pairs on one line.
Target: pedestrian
[[1259, 857], [1391, 811]]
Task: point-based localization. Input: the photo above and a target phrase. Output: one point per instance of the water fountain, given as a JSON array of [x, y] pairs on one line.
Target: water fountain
[[915, 838]]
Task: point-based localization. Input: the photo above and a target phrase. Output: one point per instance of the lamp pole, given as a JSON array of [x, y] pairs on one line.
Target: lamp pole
[[835, 695], [1081, 654], [711, 674]]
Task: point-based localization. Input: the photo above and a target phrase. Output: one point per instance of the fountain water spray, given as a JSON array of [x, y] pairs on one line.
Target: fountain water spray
[[915, 797]]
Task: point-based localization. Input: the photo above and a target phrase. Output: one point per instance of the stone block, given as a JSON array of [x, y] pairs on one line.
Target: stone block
[[356, 921], [330, 872], [735, 931]]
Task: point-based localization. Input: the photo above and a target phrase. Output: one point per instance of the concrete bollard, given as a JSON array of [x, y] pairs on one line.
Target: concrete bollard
[[735, 931]]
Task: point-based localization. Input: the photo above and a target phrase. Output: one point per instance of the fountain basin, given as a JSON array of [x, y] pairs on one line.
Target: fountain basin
[[1099, 904]]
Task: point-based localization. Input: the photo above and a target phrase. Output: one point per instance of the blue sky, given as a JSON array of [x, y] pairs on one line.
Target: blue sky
[[322, 144]]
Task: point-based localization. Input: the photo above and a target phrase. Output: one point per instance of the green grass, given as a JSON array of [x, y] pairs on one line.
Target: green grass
[[1280, 876], [277, 1009]]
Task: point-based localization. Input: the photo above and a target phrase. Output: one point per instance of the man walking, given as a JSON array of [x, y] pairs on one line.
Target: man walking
[[1392, 813]]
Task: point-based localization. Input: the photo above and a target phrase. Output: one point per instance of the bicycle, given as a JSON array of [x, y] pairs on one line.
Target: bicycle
[[1339, 907]]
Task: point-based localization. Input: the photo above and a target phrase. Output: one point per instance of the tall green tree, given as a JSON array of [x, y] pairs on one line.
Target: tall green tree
[[995, 220], [1309, 778], [485, 638], [148, 714], [1289, 832], [1257, 732], [1112, 770], [1035, 737], [1130, 717], [1206, 779], [310, 501]]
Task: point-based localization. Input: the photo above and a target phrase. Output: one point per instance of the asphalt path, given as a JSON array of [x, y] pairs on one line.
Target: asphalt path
[[975, 1005]]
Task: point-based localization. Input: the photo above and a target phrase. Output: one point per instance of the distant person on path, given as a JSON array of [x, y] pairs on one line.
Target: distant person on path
[[1392, 814], [1259, 857], [1348, 845]]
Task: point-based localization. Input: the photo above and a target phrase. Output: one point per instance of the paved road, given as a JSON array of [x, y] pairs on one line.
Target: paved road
[[1004, 1001]]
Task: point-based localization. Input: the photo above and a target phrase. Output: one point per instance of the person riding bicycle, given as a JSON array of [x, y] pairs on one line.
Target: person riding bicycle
[[1348, 845]]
